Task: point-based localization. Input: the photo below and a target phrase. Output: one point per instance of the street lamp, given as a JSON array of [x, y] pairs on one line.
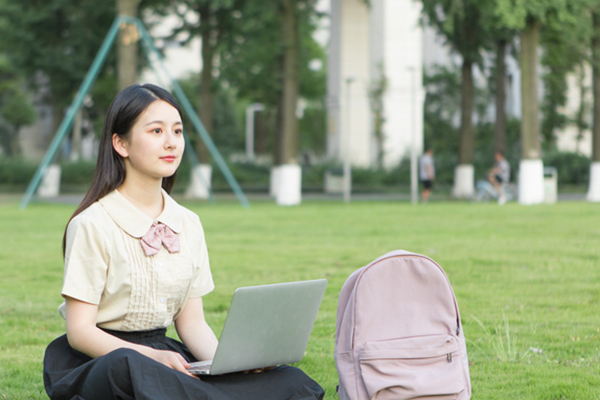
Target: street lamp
[[250, 110], [413, 146], [347, 176]]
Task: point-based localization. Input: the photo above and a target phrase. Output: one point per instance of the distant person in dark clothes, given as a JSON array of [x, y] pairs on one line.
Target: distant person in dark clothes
[[426, 174]]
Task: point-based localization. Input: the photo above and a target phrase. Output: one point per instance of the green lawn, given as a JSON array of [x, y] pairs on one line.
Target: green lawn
[[527, 276]]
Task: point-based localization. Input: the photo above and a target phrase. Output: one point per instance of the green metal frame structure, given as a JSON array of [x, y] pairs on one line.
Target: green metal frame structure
[[156, 63]]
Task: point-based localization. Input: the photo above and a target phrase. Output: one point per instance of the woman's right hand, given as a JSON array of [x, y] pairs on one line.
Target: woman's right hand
[[172, 360], [84, 336]]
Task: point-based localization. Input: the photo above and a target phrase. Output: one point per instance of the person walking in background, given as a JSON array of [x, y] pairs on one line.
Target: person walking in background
[[499, 176], [426, 174]]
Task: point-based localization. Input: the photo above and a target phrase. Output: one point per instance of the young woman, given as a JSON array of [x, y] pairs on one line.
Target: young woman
[[135, 262]]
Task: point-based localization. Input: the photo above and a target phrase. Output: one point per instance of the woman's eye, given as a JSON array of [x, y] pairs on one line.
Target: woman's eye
[[157, 130], [178, 131]]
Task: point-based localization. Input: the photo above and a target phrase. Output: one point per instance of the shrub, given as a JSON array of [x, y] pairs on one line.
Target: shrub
[[573, 169], [77, 173], [16, 172]]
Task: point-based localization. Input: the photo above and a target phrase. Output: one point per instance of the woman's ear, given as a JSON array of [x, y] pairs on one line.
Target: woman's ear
[[119, 145]]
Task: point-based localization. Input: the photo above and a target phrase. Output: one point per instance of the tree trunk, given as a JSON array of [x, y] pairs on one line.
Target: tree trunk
[[58, 113], [76, 137], [531, 167], [206, 95], [260, 132], [127, 47], [465, 153], [500, 124], [14, 148], [287, 145], [596, 86], [530, 122]]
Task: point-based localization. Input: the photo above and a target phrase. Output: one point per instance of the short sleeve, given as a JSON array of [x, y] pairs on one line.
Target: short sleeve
[[203, 282], [85, 260]]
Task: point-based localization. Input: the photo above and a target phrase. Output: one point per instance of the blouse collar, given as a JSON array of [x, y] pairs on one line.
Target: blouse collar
[[135, 222]]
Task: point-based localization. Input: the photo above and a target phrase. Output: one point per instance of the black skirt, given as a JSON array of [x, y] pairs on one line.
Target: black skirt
[[127, 374]]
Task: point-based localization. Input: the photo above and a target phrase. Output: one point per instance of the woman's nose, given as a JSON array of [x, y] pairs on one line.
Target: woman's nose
[[171, 139]]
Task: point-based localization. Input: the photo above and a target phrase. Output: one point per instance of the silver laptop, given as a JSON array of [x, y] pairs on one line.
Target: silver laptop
[[266, 326]]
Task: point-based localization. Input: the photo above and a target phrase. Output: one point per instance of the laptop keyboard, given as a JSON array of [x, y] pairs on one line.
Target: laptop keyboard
[[200, 366]]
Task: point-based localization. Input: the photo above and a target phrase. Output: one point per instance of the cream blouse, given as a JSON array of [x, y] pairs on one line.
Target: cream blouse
[[106, 265]]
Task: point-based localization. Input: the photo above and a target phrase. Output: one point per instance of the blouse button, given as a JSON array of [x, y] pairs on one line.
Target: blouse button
[[160, 263], [162, 299]]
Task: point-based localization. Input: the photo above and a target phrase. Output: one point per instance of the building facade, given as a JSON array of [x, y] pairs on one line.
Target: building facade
[[374, 71]]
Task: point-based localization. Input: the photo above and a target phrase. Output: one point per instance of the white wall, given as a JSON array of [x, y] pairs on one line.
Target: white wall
[[403, 60], [349, 116], [362, 39], [566, 139]]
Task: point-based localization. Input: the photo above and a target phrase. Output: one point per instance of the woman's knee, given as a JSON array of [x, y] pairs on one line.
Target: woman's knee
[[110, 375]]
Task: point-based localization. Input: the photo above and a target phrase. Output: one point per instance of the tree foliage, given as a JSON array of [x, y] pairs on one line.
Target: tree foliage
[[463, 26], [243, 49], [15, 108], [56, 40], [565, 44]]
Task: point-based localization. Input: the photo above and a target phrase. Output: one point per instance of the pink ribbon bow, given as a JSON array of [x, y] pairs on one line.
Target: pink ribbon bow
[[159, 235]]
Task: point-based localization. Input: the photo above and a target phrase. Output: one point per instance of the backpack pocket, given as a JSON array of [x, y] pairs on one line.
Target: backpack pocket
[[424, 367]]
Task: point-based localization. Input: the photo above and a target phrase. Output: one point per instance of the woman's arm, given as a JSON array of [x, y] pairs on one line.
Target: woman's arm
[[195, 332], [84, 336]]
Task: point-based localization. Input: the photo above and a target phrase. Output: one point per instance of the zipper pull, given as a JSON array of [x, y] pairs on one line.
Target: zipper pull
[[449, 357]]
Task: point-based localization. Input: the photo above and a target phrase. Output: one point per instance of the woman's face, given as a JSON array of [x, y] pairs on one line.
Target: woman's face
[[155, 144]]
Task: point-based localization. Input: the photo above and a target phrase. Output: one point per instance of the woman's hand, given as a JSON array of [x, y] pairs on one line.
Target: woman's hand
[[172, 360], [84, 336]]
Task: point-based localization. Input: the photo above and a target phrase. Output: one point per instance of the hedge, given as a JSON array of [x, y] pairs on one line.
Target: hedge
[[573, 169]]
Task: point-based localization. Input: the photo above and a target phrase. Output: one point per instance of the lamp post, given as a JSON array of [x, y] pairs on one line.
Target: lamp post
[[347, 176], [413, 145], [250, 110]]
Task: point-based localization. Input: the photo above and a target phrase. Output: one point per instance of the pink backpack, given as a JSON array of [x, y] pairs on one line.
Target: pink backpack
[[398, 333]]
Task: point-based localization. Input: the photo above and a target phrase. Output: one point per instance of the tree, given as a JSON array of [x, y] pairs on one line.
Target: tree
[[251, 62], [127, 46], [52, 44], [287, 132], [566, 47], [596, 83], [442, 103], [500, 123], [502, 39], [463, 25], [215, 22], [528, 17], [241, 50], [594, 189], [15, 108]]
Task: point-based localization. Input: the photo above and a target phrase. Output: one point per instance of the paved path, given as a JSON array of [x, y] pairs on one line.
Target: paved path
[[357, 197]]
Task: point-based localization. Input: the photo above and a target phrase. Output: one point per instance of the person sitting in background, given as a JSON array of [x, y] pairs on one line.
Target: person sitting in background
[[499, 176]]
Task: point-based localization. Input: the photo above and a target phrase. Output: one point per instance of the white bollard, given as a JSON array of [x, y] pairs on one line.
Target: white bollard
[[274, 180], [463, 181], [594, 189], [200, 182], [333, 183], [531, 182], [50, 184], [289, 185]]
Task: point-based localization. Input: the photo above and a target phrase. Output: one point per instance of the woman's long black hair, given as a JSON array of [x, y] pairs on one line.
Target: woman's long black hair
[[122, 114]]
